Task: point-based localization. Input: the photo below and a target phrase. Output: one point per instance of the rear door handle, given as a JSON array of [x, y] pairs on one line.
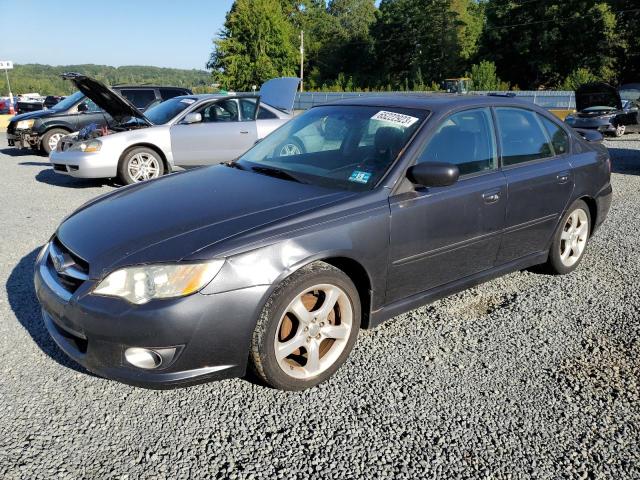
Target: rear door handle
[[491, 197], [563, 177]]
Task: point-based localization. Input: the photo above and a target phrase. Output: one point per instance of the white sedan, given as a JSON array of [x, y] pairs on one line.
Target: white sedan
[[184, 131]]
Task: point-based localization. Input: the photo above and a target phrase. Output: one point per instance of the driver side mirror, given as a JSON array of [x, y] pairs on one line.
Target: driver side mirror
[[433, 174], [192, 117], [82, 107]]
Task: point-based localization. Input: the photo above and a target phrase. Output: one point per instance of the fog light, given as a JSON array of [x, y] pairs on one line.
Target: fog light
[[143, 358]]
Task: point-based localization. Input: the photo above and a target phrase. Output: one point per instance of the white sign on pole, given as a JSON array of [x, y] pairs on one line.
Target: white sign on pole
[[6, 64]]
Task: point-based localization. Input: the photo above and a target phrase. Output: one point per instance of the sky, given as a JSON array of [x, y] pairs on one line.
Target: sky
[[163, 33]]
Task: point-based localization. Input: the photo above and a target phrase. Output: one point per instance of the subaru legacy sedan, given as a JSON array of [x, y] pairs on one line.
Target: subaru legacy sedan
[[275, 261]]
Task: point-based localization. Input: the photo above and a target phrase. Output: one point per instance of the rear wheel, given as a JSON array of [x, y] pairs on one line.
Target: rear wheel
[[307, 328], [140, 164], [51, 138], [570, 239], [620, 130]]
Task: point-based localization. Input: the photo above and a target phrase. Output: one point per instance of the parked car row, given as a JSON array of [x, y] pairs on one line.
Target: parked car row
[[42, 129], [340, 218], [606, 109]]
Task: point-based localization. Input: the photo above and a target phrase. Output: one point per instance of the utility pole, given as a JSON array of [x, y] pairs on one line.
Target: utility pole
[[302, 60]]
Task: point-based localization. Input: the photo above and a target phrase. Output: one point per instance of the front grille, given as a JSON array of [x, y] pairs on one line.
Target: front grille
[[70, 270]]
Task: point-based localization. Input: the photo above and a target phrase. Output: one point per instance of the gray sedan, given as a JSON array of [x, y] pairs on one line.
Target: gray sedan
[[184, 131]]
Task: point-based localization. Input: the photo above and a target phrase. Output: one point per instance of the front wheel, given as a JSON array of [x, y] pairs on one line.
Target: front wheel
[[51, 138], [307, 328], [570, 239], [140, 164], [620, 130]]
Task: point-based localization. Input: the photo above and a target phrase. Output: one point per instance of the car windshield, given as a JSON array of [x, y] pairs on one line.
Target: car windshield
[[165, 111], [347, 147], [630, 94], [68, 102]]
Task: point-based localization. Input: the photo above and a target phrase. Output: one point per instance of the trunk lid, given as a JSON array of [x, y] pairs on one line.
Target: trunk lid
[[280, 93]]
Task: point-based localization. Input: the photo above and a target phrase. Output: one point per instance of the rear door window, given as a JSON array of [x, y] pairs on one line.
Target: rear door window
[[522, 136], [559, 138], [140, 98]]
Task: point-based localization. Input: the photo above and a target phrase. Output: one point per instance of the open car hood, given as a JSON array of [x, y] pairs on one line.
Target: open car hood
[[280, 93], [597, 95], [110, 101]]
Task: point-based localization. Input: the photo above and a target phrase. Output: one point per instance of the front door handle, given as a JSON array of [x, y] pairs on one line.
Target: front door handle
[[244, 132], [491, 197], [563, 177]]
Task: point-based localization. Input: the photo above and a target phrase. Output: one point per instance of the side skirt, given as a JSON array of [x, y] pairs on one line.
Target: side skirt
[[420, 299]]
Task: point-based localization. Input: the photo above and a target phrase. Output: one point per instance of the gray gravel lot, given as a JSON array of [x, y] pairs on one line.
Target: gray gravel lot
[[526, 376]]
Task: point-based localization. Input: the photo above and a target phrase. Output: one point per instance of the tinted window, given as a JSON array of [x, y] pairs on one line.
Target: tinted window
[[465, 139], [522, 136], [264, 114], [222, 111], [167, 93], [140, 98], [68, 102], [559, 138], [91, 106]]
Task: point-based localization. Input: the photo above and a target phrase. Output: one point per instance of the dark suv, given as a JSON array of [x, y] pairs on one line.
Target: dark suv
[[44, 128]]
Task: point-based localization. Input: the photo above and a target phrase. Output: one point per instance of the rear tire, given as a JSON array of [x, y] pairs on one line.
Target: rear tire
[[306, 329], [139, 164], [570, 240], [50, 139]]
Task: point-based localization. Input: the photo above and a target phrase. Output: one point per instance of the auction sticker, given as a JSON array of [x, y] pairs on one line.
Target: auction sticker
[[188, 101], [395, 118], [359, 176]]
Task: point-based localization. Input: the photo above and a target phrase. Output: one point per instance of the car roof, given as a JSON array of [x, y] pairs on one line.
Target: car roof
[[148, 86], [433, 103], [205, 96]]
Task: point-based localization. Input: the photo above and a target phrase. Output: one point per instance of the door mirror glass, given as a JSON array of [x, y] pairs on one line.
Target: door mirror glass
[[434, 174], [82, 107], [192, 118]]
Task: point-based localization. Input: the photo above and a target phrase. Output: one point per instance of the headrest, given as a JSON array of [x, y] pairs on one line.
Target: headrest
[[388, 139]]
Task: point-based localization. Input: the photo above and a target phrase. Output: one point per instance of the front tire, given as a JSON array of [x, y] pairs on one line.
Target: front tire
[[306, 329], [140, 164], [51, 138], [570, 239], [620, 130]]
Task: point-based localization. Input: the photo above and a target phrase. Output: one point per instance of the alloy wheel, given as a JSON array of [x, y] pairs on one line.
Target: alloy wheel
[[53, 141], [313, 331], [573, 238], [143, 166], [620, 130]]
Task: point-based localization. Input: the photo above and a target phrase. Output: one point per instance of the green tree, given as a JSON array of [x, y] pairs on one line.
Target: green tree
[[254, 45], [576, 78], [484, 77]]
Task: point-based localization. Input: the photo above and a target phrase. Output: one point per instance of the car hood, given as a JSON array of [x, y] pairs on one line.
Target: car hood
[[597, 94], [280, 93], [30, 115], [110, 101], [168, 219]]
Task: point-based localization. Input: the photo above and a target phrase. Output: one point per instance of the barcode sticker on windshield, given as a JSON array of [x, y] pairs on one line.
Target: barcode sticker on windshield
[[395, 118]]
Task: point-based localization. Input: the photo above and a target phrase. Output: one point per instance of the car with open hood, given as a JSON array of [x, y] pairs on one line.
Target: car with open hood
[[275, 261], [185, 131], [43, 128], [606, 109]]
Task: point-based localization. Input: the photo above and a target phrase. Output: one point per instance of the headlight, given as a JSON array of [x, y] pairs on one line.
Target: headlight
[[24, 124], [89, 146], [140, 284]]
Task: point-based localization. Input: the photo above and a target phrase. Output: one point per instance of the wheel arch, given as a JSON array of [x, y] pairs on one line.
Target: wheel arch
[[360, 278], [593, 211], [151, 146]]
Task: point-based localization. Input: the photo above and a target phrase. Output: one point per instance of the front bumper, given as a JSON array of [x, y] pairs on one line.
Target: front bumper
[[210, 332], [23, 139], [602, 126], [100, 164]]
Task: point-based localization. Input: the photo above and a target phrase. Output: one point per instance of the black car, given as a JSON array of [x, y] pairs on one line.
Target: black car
[[277, 260], [606, 109], [44, 128]]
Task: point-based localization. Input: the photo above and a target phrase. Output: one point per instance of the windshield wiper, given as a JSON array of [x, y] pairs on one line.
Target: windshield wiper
[[277, 173], [233, 164]]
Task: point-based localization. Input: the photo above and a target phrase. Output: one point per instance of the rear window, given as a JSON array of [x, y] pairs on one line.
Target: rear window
[[167, 93], [140, 98], [522, 136]]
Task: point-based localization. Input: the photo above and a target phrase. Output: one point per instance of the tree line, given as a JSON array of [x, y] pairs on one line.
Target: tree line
[[415, 44], [45, 79]]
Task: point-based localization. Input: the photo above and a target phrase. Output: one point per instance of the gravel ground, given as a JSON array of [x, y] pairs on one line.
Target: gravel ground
[[526, 376]]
